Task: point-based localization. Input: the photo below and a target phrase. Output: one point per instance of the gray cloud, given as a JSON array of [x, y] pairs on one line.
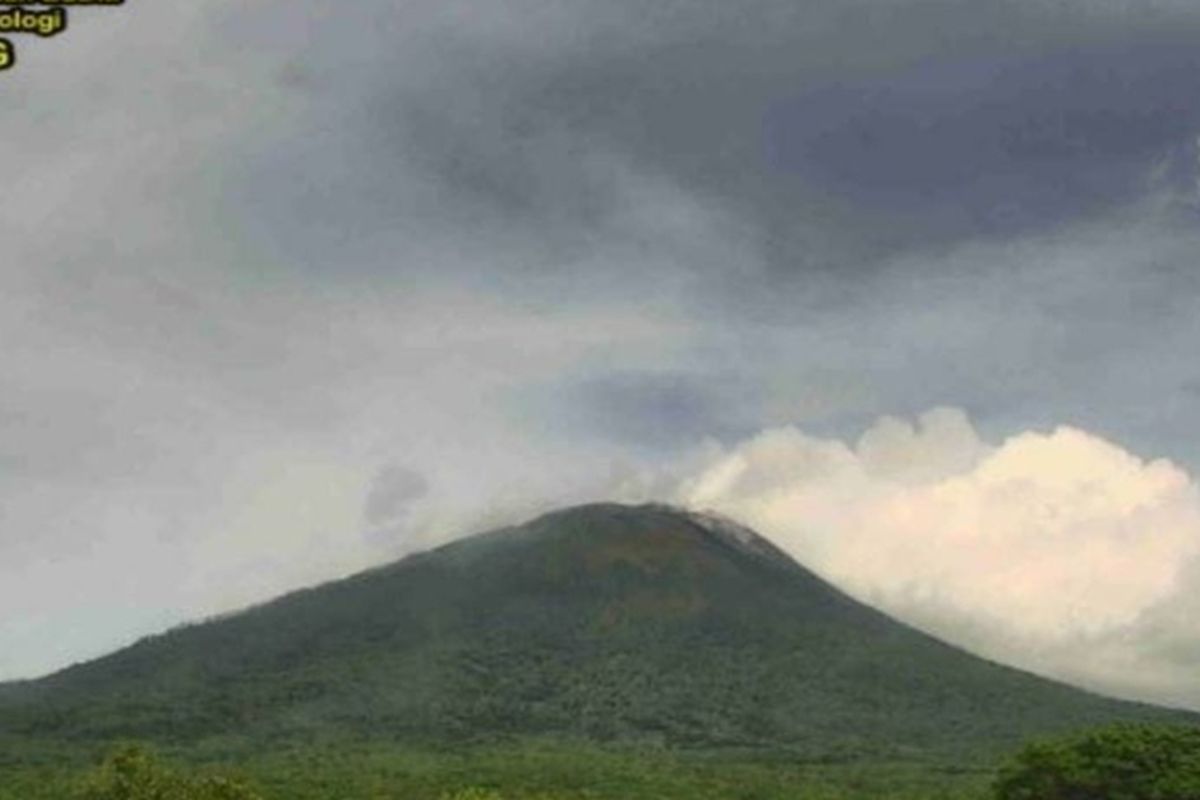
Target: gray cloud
[[1000, 144], [653, 411], [542, 247], [391, 494]]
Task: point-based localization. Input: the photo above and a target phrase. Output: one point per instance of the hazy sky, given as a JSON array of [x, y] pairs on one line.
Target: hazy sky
[[290, 288]]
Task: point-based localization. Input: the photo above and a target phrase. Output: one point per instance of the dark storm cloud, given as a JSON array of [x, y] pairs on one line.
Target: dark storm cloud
[[999, 145], [839, 133], [845, 167]]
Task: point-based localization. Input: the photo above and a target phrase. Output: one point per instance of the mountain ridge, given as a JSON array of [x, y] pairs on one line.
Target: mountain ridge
[[601, 622]]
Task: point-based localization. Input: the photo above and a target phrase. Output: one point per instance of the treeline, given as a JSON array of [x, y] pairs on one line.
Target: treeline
[[1120, 762]]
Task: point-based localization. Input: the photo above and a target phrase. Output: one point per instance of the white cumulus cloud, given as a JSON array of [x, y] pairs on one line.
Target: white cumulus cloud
[[1057, 550]]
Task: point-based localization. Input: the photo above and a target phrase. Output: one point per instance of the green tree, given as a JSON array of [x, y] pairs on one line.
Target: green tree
[[1120, 762], [133, 773]]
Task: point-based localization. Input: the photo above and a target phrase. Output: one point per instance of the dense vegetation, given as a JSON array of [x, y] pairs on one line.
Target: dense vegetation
[[530, 771], [1121, 762], [132, 773], [602, 651]]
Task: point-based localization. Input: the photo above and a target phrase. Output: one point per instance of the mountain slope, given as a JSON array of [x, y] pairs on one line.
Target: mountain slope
[[601, 622]]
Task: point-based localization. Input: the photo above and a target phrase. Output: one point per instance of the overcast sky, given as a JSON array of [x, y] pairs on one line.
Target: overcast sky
[[291, 288]]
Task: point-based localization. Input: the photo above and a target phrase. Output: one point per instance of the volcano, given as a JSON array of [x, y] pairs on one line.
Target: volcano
[[603, 623]]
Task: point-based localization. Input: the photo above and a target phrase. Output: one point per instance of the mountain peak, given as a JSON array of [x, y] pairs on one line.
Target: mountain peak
[[735, 534], [650, 538], [655, 519], [603, 622]]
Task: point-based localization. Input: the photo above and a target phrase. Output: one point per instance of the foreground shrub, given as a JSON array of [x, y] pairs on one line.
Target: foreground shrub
[[1122, 762]]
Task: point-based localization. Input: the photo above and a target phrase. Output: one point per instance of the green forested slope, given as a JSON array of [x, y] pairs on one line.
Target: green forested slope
[[601, 624]]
